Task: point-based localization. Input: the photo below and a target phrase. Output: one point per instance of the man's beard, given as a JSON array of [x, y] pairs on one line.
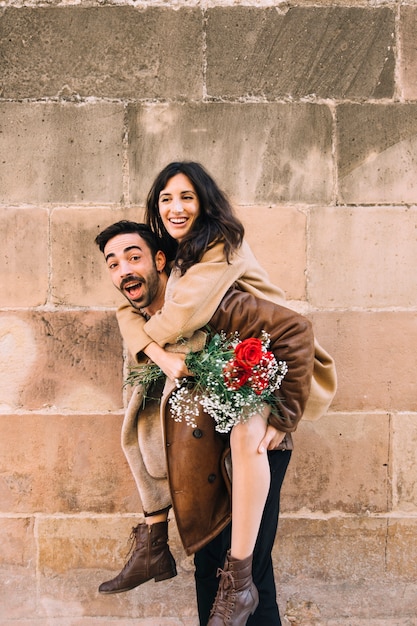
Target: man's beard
[[149, 289]]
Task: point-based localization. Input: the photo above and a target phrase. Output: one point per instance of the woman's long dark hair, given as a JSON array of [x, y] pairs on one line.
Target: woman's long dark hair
[[216, 222]]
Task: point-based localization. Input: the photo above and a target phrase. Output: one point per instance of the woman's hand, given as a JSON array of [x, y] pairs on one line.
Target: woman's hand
[[271, 439], [171, 363]]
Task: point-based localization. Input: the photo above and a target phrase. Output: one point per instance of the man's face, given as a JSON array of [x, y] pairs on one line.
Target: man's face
[[133, 269]]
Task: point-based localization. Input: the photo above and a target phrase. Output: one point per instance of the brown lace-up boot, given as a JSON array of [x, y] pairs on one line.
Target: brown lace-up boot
[[237, 596], [150, 558]]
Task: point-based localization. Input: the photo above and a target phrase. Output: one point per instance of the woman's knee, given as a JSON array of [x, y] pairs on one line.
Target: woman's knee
[[247, 435]]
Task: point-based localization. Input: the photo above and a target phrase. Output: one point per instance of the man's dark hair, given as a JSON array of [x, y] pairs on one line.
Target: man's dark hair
[[125, 226]]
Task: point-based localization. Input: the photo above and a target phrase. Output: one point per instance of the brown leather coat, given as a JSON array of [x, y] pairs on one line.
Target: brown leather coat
[[198, 478]]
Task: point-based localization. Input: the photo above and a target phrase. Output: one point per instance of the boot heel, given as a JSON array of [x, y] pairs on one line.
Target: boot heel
[[169, 574], [165, 576]]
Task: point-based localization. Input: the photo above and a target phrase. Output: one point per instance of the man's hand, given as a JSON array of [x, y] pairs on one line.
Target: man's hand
[[271, 440]]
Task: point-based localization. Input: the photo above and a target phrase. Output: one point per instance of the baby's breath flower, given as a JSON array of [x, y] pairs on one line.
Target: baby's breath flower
[[184, 405]]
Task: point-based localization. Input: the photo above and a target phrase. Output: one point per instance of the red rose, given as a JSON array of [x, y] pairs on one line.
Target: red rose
[[235, 376], [248, 353]]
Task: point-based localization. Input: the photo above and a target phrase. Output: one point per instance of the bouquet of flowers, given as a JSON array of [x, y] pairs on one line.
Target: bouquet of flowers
[[232, 380]]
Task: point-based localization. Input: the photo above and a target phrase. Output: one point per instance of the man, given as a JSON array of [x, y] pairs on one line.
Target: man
[[136, 267]]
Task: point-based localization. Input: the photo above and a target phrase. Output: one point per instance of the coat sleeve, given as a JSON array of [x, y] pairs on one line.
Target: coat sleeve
[[292, 340], [132, 328]]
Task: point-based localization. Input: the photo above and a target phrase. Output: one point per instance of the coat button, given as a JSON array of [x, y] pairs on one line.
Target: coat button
[[212, 478], [197, 433]]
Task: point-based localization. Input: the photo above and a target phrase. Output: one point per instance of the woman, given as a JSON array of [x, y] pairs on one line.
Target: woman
[[204, 239]]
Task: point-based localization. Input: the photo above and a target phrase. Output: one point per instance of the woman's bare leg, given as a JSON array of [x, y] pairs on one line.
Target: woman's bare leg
[[155, 519], [250, 484]]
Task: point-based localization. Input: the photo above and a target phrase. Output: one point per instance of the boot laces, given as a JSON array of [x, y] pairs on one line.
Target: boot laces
[[132, 547], [225, 597]]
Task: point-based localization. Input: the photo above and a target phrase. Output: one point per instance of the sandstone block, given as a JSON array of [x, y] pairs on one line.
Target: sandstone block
[[61, 152], [375, 357], [333, 52], [17, 355], [402, 549], [377, 153], [277, 236], [363, 257], [258, 153], [340, 462], [114, 52], [74, 361], [407, 44], [24, 277], [64, 464], [404, 471], [371, 373], [80, 277]]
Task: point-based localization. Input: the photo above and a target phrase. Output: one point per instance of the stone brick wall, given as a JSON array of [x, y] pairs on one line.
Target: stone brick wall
[[306, 113]]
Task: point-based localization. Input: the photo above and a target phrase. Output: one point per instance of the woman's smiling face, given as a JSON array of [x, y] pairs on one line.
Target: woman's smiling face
[[178, 206]]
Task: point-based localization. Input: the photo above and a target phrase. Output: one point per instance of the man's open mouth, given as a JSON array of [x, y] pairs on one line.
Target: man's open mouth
[[132, 287]]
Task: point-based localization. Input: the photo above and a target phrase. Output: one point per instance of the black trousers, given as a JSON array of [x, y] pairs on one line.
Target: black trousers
[[211, 557]]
